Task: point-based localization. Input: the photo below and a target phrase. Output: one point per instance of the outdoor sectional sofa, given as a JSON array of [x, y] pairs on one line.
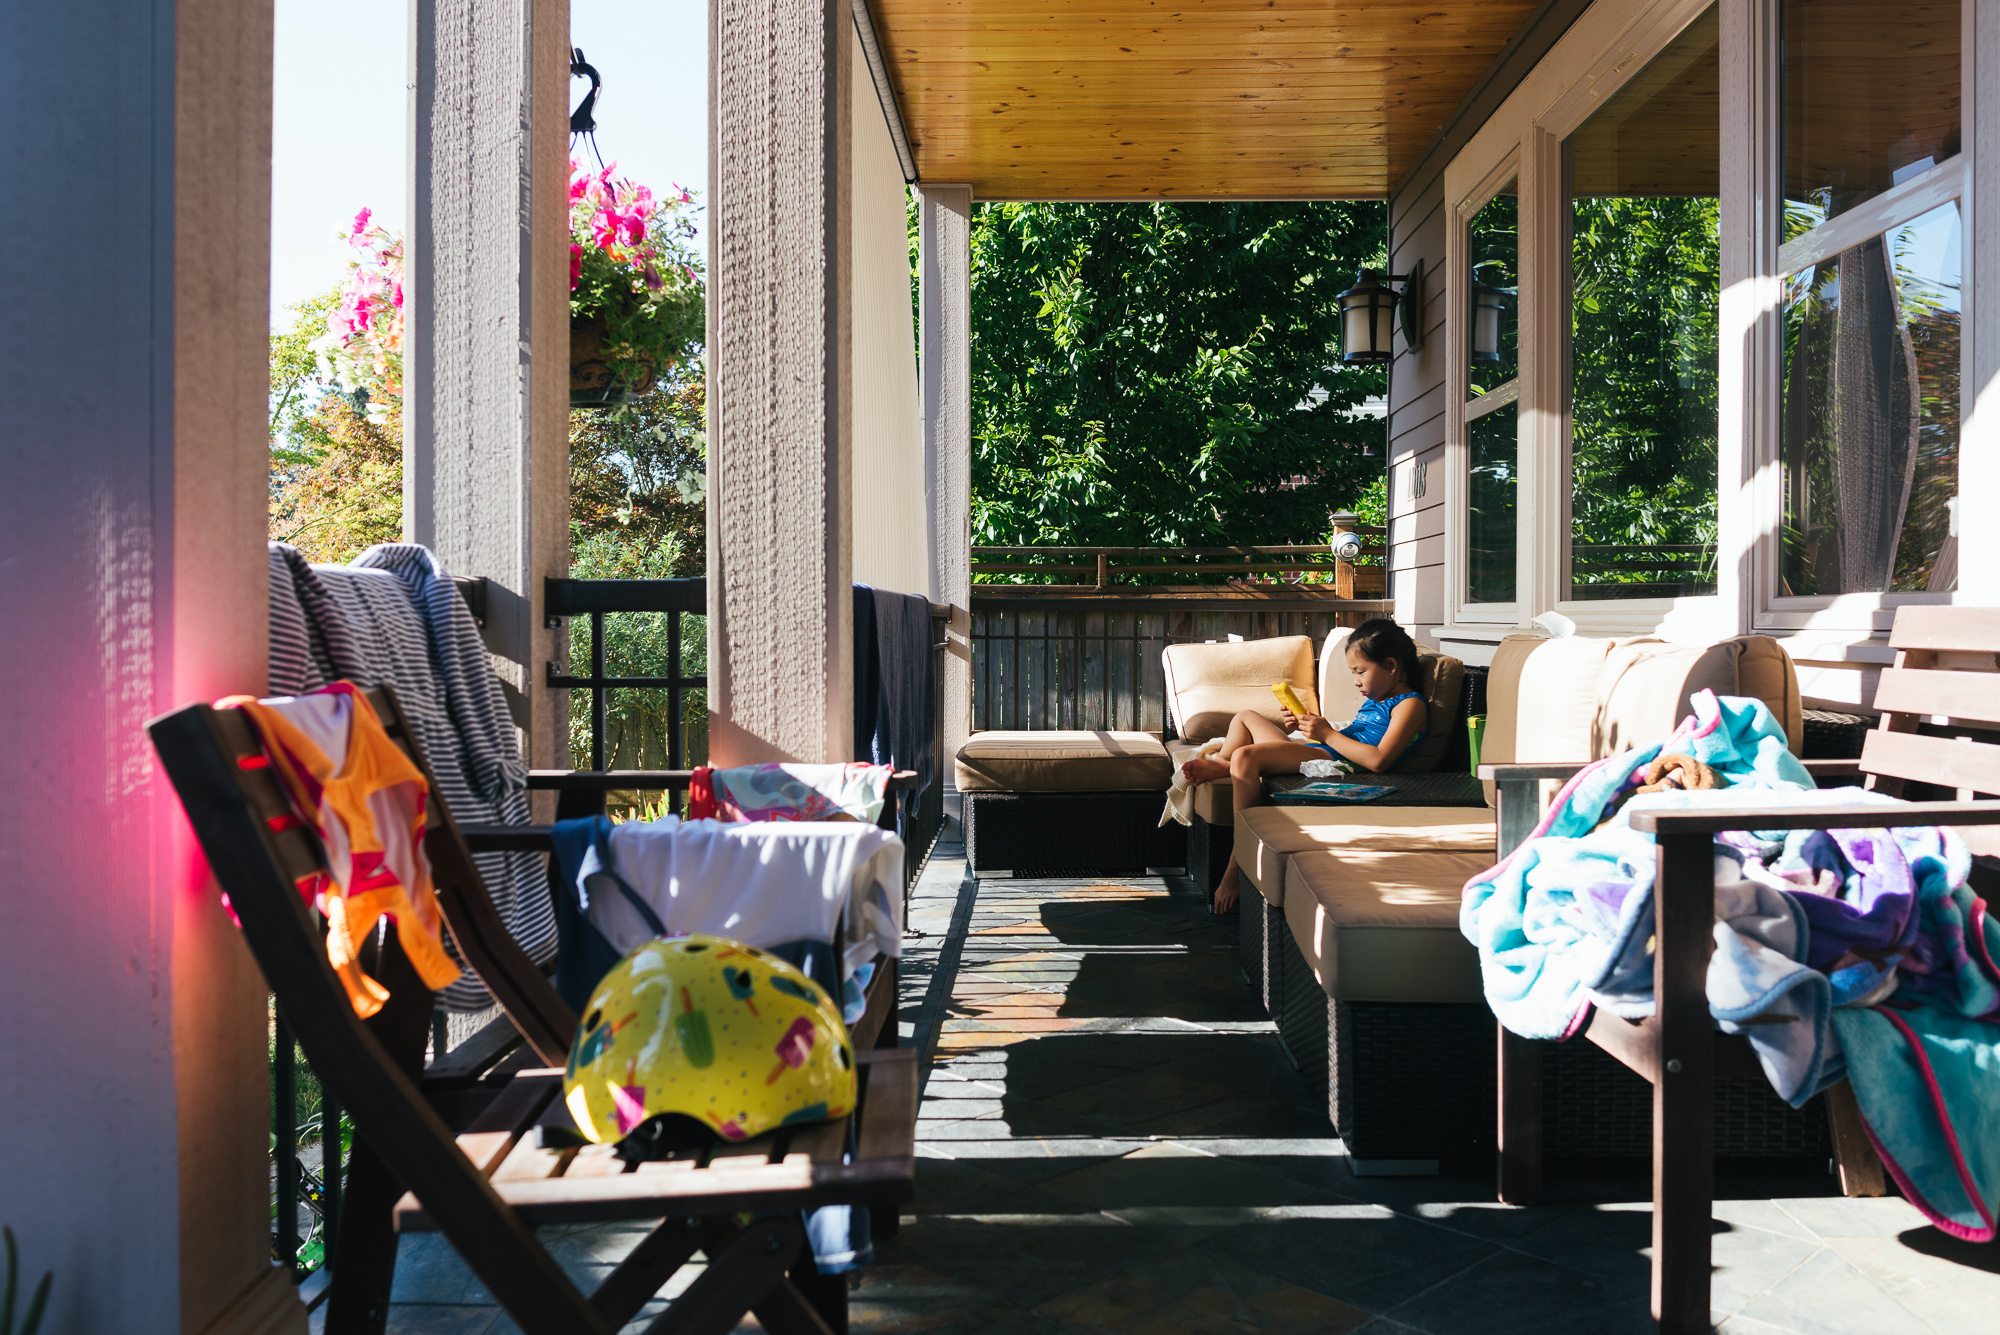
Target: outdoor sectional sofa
[[1349, 920], [1376, 993]]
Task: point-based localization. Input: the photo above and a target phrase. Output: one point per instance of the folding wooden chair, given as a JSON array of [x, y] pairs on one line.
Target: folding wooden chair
[[1678, 1050], [487, 1187]]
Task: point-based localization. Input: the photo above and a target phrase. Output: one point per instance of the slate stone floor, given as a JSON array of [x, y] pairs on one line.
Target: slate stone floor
[[1111, 1140]]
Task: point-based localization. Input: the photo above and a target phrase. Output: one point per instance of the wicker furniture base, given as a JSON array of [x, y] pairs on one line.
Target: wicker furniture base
[[1070, 834], [1208, 851], [1414, 1082]]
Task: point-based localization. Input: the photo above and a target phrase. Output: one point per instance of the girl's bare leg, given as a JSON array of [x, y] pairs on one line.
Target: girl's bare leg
[[1248, 728], [1247, 768]]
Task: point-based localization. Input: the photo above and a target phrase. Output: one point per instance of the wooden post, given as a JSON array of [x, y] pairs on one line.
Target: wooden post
[[1103, 570], [1343, 569], [1684, 1089], [1520, 1149]]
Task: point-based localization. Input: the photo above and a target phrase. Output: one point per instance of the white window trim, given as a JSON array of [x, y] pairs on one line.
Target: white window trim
[[1458, 399], [1609, 43]]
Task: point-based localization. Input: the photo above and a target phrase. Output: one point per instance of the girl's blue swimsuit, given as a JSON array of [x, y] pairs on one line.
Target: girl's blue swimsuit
[[1372, 724]]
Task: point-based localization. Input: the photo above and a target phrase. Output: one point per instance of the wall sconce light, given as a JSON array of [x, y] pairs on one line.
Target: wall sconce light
[[1487, 305], [1366, 307]]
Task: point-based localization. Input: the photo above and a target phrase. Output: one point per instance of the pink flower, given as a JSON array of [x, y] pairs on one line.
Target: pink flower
[[361, 224], [575, 265], [397, 297], [604, 229], [634, 225]]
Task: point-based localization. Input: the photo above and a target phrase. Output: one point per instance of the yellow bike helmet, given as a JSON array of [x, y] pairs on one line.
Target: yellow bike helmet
[[710, 1029]]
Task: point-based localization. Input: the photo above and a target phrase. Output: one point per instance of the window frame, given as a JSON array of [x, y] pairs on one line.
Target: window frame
[[1461, 409], [1611, 42]]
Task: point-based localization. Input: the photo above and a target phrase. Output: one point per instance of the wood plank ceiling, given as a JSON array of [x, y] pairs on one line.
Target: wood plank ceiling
[[1214, 99]]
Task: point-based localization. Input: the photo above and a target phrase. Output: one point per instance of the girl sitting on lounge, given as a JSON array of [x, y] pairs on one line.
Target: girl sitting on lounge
[[1383, 660]]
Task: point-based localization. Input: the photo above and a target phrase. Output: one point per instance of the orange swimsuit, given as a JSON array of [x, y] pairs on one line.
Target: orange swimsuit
[[367, 801]]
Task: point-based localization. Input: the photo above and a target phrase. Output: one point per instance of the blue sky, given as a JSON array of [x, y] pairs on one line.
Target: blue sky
[[339, 117]]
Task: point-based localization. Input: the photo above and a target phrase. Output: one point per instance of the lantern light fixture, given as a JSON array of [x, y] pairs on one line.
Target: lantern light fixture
[[1488, 305], [1365, 311]]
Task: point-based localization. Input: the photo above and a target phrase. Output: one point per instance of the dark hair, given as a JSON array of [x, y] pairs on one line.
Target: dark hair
[[1383, 640]]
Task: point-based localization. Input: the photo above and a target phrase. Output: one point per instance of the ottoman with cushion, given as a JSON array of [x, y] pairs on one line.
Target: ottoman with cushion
[[1056, 803], [1376, 993], [1208, 683]]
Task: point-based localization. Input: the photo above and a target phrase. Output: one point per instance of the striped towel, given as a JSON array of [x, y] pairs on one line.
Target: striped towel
[[386, 607]]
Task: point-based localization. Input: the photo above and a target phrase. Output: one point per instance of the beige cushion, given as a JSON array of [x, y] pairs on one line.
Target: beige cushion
[[1209, 684], [1384, 926], [1441, 680], [1647, 687], [1267, 837], [1581, 698], [1063, 762]]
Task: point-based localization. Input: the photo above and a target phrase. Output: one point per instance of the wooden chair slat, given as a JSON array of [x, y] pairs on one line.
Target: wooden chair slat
[[823, 1144], [529, 1162], [1952, 762], [595, 1161], [888, 1105], [513, 1111], [1940, 629], [1960, 695]]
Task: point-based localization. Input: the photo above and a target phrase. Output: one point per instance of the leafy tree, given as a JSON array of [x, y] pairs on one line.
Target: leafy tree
[[1167, 373], [1646, 272]]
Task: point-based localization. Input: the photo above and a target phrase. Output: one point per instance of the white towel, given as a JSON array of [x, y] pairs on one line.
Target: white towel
[[759, 882], [1180, 796]]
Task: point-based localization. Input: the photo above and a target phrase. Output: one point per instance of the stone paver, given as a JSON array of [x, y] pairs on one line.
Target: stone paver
[[1111, 1140]]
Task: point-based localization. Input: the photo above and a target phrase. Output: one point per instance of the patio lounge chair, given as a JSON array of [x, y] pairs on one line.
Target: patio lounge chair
[[1679, 1050], [487, 1187]]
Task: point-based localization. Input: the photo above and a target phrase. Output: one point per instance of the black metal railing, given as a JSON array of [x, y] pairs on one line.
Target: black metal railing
[[305, 1206], [599, 598]]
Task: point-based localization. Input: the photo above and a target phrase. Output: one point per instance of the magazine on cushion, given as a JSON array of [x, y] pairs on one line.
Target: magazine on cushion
[[1330, 792]]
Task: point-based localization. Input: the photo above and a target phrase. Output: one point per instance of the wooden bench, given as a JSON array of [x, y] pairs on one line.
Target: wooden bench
[[1678, 1049], [479, 1169]]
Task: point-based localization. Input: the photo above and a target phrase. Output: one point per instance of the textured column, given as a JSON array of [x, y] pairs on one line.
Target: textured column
[[780, 556], [945, 254], [133, 493], [485, 425]]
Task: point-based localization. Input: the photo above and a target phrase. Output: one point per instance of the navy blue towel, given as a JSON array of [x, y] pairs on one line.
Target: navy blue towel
[[895, 681]]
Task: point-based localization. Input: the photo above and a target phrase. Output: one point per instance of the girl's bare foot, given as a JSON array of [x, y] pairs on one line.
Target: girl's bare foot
[[1205, 769], [1225, 893]]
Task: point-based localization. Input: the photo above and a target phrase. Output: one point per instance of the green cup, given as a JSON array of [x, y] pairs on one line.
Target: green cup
[[1475, 728]]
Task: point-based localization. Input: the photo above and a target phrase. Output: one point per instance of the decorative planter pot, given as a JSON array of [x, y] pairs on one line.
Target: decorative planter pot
[[592, 383]]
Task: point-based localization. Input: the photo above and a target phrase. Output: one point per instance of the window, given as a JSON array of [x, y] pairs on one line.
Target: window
[[1642, 178], [1869, 356], [1492, 351]]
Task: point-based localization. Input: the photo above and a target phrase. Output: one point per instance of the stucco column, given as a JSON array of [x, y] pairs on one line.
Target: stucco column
[[486, 320], [780, 528], [944, 232], [133, 495]]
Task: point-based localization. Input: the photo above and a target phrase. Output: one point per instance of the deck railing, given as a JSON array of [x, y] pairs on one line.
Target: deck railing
[[1086, 654]]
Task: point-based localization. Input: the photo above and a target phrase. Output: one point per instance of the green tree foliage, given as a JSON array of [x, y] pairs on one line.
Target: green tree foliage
[[1162, 373], [1646, 273]]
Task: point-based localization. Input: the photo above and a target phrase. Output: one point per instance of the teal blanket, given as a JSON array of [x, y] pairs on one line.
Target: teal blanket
[[1854, 954]]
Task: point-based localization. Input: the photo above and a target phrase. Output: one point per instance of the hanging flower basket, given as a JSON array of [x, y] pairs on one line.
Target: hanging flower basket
[[635, 292], [592, 381]]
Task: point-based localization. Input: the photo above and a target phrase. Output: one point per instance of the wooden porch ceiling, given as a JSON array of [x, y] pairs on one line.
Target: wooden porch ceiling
[[1218, 99]]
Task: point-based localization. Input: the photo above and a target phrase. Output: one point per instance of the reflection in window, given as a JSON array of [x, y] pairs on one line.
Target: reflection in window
[[1645, 279], [1495, 457], [1871, 99], [1870, 436], [1494, 244]]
